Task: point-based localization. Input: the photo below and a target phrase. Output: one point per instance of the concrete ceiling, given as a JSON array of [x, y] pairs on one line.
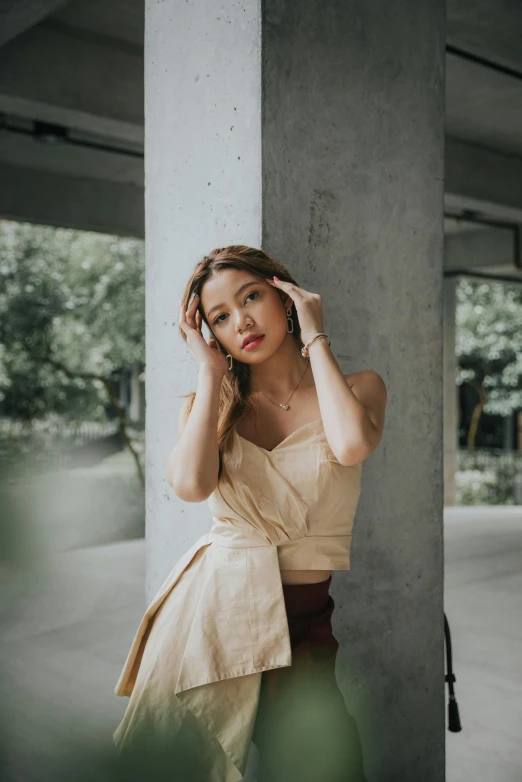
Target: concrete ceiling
[[487, 28], [483, 105], [453, 225], [98, 175], [117, 20], [86, 43]]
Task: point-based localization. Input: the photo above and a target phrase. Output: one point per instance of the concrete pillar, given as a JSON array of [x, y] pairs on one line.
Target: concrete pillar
[[451, 401], [315, 130]]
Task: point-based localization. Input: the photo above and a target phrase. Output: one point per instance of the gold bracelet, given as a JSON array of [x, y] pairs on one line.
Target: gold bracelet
[[304, 349]]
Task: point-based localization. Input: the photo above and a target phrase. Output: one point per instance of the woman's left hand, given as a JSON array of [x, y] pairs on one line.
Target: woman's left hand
[[308, 305]]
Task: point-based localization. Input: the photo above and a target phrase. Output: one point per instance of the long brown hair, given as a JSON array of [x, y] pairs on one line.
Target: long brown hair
[[234, 402]]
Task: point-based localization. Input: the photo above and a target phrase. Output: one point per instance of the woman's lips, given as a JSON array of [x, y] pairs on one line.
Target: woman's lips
[[254, 343]]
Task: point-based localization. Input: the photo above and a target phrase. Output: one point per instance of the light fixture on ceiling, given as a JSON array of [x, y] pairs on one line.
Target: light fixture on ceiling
[[50, 134], [53, 134]]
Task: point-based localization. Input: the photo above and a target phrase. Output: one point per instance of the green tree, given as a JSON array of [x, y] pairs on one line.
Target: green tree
[[72, 313], [489, 346]]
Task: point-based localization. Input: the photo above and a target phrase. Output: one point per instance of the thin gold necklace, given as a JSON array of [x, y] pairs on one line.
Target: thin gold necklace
[[285, 405]]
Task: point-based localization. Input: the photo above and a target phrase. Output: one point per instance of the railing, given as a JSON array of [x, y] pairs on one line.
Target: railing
[[53, 444], [79, 432]]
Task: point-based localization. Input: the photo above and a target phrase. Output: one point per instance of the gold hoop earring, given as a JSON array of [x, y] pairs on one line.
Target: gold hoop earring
[[231, 363], [290, 322]]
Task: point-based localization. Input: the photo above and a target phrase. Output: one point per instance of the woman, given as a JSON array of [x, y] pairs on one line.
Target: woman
[[237, 645]]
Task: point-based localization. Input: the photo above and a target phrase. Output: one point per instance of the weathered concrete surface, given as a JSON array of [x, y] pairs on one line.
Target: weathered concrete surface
[[316, 130], [353, 169]]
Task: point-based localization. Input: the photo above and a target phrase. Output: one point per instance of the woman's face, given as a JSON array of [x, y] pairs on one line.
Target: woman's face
[[238, 304]]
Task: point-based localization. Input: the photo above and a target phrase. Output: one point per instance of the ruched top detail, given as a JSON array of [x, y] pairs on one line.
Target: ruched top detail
[[297, 497]]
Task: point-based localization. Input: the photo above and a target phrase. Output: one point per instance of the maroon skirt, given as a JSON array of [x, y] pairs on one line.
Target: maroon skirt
[[303, 730]]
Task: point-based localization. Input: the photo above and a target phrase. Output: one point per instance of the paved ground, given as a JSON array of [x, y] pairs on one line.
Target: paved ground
[[64, 630], [67, 623], [483, 603]]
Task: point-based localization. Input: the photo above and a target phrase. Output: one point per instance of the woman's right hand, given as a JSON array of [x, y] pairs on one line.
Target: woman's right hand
[[209, 354]]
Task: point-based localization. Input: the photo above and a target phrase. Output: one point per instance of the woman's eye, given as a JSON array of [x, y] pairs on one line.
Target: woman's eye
[[253, 293]]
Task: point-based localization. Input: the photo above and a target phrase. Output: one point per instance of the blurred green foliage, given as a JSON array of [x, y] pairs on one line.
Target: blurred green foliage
[[489, 341], [73, 297]]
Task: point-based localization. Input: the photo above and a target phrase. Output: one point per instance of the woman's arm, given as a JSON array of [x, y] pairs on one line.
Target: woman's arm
[[353, 414], [192, 468]]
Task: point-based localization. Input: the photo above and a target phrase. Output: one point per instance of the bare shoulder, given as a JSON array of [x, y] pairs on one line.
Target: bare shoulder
[[367, 377]]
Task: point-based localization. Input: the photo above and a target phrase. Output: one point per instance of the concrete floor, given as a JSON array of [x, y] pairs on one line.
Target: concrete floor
[[483, 604], [67, 624]]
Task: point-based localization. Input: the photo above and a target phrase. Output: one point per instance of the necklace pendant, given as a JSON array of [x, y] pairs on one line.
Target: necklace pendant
[[285, 407]]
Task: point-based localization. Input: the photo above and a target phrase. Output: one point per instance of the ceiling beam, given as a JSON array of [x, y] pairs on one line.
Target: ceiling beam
[[481, 248], [48, 75], [484, 180], [17, 16], [49, 198]]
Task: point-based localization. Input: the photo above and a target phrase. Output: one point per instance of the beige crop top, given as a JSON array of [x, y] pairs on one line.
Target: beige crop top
[[219, 619], [296, 497]]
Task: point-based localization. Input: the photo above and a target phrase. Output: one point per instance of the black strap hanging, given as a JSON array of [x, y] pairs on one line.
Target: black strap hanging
[[453, 710]]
